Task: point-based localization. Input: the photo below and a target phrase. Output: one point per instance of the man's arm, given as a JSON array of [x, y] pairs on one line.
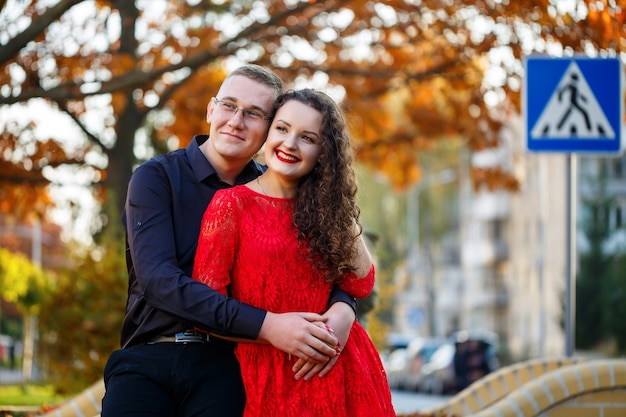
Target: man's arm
[[162, 252], [155, 248], [303, 335], [338, 295]]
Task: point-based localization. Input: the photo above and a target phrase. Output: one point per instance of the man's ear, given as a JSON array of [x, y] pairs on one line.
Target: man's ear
[[210, 108]]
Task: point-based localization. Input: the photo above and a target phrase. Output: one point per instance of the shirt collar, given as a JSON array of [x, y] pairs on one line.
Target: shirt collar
[[203, 169]]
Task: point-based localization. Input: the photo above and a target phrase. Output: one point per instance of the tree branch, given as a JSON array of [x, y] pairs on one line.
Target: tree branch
[[36, 28], [90, 136], [133, 79]]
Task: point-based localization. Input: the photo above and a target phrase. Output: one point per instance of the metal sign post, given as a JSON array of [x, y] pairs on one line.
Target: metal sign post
[[570, 258], [573, 105]]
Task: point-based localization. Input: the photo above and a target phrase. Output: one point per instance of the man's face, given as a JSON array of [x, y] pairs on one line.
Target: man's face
[[233, 135]]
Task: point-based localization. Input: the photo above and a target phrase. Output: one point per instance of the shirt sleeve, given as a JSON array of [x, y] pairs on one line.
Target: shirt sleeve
[[338, 295], [155, 249]]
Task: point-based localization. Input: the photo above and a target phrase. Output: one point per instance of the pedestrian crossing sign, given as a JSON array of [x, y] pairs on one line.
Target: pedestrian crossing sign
[[573, 105]]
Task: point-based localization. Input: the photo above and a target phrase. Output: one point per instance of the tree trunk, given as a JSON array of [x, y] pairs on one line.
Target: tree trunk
[[121, 155], [30, 332]]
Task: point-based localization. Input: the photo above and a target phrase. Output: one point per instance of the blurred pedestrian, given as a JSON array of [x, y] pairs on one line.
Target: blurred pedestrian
[[12, 361]]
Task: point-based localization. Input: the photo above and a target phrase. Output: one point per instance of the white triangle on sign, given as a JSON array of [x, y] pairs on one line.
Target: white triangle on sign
[[573, 111]]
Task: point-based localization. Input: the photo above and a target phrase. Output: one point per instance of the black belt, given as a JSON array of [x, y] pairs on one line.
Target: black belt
[[188, 336]]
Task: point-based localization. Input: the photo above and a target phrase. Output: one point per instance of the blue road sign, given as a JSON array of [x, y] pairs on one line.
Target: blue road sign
[[573, 105]]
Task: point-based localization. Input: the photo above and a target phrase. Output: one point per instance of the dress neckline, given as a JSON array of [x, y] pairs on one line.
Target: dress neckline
[[269, 197]]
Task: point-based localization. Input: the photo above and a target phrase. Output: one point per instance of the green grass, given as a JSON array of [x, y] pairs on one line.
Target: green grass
[[34, 395]]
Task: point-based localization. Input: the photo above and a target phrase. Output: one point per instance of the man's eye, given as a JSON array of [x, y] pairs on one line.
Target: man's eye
[[253, 114], [229, 106]]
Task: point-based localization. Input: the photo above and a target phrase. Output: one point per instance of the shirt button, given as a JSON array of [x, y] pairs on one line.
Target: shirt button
[[138, 224]]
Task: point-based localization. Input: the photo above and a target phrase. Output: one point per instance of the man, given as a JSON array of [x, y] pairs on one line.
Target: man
[[166, 367]]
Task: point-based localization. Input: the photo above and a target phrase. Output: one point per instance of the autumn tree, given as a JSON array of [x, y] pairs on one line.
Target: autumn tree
[[80, 316], [25, 285], [81, 319], [22, 282], [135, 76]]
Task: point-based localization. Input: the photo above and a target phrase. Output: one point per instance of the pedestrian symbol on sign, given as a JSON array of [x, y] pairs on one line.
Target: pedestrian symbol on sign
[[573, 111]]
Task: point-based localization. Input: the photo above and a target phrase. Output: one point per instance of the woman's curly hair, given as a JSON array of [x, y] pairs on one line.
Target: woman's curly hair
[[325, 204]]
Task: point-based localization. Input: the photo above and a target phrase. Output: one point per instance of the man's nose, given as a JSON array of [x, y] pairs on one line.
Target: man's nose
[[236, 119]]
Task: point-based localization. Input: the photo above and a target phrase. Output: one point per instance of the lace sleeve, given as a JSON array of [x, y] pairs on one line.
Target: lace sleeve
[[359, 287], [217, 242]]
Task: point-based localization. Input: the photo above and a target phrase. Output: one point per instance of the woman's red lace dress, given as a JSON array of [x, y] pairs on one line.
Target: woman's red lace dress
[[248, 247]]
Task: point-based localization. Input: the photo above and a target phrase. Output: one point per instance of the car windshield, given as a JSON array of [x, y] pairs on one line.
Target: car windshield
[[443, 355]]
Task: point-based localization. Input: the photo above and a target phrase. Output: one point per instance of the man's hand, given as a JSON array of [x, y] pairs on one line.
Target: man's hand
[[303, 335], [339, 319]]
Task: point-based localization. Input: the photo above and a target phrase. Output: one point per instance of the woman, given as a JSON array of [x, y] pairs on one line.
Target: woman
[[281, 242]]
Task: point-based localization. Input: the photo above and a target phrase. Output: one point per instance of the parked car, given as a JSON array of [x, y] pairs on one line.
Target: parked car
[[419, 352], [457, 364], [437, 376], [394, 364], [394, 358]]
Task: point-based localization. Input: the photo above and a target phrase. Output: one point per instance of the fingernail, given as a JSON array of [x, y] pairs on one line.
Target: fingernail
[[329, 329]]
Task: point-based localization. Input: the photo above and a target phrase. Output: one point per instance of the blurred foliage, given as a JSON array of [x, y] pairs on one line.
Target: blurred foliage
[[22, 282], [80, 322], [384, 212], [600, 281], [381, 217], [135, 77], [616, 304]]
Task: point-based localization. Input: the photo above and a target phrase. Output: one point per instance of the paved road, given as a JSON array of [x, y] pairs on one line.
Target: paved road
[[411, 402], [403, 402], [10, 377]]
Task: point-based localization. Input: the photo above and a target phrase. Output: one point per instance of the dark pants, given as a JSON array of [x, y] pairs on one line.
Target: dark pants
[[173, 380]]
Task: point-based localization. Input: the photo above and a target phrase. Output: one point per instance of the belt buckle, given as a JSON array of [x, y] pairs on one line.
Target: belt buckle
[[190, 336]]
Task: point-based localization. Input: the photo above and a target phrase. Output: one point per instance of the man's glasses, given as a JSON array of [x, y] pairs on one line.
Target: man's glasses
[[232, 109]]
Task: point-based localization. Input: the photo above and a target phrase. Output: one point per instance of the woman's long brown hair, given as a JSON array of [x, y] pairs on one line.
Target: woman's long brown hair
[[325, 203]]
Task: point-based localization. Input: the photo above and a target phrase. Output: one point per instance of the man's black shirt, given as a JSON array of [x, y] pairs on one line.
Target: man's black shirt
[[167, 197]]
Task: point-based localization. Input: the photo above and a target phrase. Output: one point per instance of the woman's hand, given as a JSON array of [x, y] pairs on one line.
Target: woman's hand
[[303, 335], [338, 322]]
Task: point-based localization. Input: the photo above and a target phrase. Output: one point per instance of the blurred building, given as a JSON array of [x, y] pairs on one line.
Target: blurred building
[[501, 264], [536, 276], [514, 253]]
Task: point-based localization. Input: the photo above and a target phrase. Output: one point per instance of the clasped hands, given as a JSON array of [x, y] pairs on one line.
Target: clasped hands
[[316, 340], [308, 368]]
